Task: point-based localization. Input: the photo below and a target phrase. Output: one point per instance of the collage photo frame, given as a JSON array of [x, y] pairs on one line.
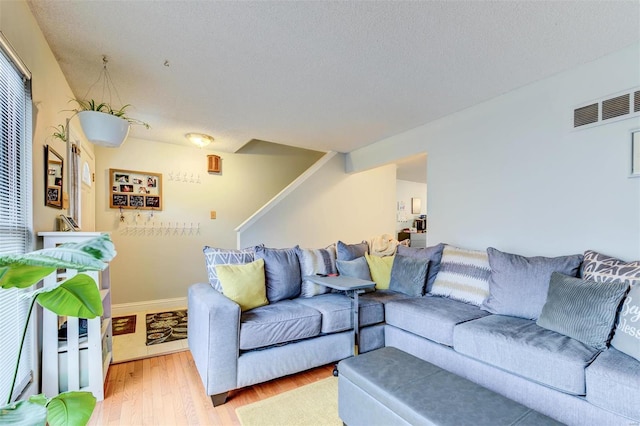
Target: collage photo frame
[[130, 189]]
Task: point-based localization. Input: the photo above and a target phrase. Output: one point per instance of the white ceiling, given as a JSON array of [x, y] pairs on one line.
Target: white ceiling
[[322, 75]]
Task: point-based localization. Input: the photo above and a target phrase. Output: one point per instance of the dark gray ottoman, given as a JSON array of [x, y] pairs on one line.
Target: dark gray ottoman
[[389, 387]]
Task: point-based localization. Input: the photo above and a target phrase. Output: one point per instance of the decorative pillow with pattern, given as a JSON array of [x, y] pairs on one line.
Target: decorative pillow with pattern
[[318, 261], [627, 332], [219, 256], [463, 275], [604, 269]]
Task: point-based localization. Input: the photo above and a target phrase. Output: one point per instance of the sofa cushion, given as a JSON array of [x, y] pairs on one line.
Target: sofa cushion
[[219, 256], [318, 261], [280, 322], [434, 254], [582, 309], [409, 275], [380, 268], [627, 332], [282, 272], [520, 346], [384, 296], [431, 317], [602, 268], [463, 275], [336, 311], [518, 285], [613, 383], [356, 268], [244, 284], [351, 251]]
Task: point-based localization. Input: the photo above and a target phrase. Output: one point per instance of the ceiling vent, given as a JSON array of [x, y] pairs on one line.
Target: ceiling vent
[[612, 108]]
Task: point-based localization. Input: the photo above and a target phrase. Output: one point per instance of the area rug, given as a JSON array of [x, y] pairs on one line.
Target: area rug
[[313, 404], [124, 325], [163, 327]]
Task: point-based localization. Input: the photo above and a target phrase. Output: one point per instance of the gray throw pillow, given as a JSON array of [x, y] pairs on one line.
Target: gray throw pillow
[[356, 268], [433, 254], [583, 310], [219, 256], [409, 275], [518, 285], [627, 333], [282, 272], [351, 251]]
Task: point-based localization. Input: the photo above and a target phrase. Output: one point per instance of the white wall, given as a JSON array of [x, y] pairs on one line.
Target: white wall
[[154, 264], [405, 191], [331, 205], [511, 173]]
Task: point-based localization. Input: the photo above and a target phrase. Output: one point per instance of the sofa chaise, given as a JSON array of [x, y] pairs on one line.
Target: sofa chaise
[[537, 330]]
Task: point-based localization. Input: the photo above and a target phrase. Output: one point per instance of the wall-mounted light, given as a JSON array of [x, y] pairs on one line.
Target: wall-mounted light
[[199, 139]]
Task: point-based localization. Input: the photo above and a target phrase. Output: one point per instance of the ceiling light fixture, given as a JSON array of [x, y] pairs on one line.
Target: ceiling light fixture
[[199, 139]]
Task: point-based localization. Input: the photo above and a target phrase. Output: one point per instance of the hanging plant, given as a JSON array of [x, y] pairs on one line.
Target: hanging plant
[[60, 133]]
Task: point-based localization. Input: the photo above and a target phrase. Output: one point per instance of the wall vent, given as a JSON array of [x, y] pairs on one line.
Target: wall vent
[[585, 115], [615, 107]]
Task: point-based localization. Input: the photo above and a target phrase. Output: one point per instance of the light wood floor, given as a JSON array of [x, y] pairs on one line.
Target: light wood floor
[[166, 390]]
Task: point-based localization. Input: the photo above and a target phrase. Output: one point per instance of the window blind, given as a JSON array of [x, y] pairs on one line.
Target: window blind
[[16, 236]]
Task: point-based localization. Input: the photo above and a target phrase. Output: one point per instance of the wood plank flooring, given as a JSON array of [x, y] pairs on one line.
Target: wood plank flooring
[[166, 390]]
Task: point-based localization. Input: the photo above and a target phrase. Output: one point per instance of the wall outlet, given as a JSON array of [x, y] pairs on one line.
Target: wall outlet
[[213, 214]]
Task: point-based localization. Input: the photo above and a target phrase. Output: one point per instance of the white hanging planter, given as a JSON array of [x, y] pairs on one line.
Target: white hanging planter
[[104, 129]]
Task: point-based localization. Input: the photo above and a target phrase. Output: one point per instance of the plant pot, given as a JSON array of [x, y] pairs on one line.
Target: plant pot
[[104, 129]]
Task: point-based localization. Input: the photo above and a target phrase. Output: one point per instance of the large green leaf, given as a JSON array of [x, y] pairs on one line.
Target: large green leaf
[[70, 409], [23, 413], [23, 276], [90, 255], [76, 297]]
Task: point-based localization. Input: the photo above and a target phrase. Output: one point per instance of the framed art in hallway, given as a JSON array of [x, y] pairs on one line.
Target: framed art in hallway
[[131, 189]]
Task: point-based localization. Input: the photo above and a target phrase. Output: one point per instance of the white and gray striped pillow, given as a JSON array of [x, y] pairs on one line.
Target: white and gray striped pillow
[[219, 256], [316, 261], [463, 275]]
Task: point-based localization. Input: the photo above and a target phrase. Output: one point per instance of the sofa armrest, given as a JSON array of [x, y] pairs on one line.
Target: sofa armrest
[[214, 335]]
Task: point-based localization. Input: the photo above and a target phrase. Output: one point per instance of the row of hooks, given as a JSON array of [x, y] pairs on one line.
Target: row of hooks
[[185, 177], [161, 229]]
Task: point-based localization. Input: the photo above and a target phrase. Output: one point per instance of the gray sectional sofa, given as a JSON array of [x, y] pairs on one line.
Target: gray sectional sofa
[[455, 321]]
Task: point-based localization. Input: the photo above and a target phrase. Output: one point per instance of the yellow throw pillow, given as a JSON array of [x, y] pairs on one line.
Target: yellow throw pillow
[[244, 284], [380, 268]]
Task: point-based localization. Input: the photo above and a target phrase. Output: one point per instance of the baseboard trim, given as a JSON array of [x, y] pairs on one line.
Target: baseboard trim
[[121, 309]]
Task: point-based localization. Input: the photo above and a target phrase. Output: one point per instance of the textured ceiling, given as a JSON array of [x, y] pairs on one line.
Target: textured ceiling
[[320, 75]]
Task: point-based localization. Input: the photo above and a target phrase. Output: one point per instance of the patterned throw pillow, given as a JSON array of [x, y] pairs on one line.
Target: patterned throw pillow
[[219, 256], [627, 333], [604, 269], [464, 275], [318, 261], [582, 309]]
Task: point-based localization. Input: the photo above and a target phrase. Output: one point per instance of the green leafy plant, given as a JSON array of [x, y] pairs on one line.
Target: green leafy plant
[[77, 296], [60, 133], [92, 105]]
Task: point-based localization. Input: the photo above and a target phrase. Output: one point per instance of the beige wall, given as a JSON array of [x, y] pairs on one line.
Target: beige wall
[[50, 93], [155, 264], [331, 205]]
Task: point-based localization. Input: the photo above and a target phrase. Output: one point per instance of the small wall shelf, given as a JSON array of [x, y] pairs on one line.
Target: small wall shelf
[[80, 362]]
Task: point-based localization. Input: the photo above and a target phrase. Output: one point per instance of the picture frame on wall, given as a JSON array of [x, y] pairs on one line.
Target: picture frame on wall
[[131, 189]]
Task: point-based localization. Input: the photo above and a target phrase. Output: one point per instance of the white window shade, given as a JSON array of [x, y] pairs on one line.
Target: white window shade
[[16, 236]]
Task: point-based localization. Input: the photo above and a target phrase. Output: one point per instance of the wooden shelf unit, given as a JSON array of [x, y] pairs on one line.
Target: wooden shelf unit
[[79, 363]]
